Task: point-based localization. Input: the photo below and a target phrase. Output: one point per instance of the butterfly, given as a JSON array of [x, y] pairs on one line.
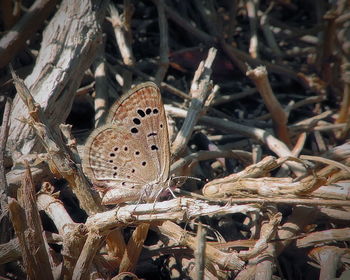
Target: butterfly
[[128, 158]]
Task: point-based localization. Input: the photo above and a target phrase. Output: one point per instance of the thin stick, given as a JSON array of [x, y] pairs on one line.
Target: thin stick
[[134, 247], [265, 137], [174, 16], [164, 46], [299, 145], [252, 7], [200, 89], [3, 140], [27, 224], [205, 155], [91, 246], [200, 252], [296, 105], [328, 257], [101, 89], [269, 36], [344, 112], [279, 117], [122, 30], [289, 201]]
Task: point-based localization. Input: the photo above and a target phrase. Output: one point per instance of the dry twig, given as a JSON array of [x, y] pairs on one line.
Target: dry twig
[[200, 89]]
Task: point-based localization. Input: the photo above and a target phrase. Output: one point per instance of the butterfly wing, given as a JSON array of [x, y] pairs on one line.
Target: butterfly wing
[[141, 111], [132, 150]]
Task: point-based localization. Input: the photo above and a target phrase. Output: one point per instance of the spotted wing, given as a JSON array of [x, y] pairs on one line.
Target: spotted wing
[[141, 112]]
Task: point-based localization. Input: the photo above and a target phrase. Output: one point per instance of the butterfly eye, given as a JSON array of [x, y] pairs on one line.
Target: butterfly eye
[[143, 163], [154, 147], [148, 111], [155, 111], [134, 130]]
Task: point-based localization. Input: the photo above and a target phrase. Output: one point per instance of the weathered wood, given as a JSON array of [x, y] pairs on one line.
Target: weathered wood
[[58, 158], [15, 39], [69, 45], [27, 224]]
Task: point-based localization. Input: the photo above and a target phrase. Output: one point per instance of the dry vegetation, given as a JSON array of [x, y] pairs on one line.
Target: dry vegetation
[[257, 97]]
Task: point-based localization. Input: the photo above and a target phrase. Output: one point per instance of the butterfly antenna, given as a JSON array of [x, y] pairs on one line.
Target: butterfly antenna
[[186, 177]]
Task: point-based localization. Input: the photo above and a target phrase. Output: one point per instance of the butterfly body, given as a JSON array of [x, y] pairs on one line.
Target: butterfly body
[[128, 158]]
